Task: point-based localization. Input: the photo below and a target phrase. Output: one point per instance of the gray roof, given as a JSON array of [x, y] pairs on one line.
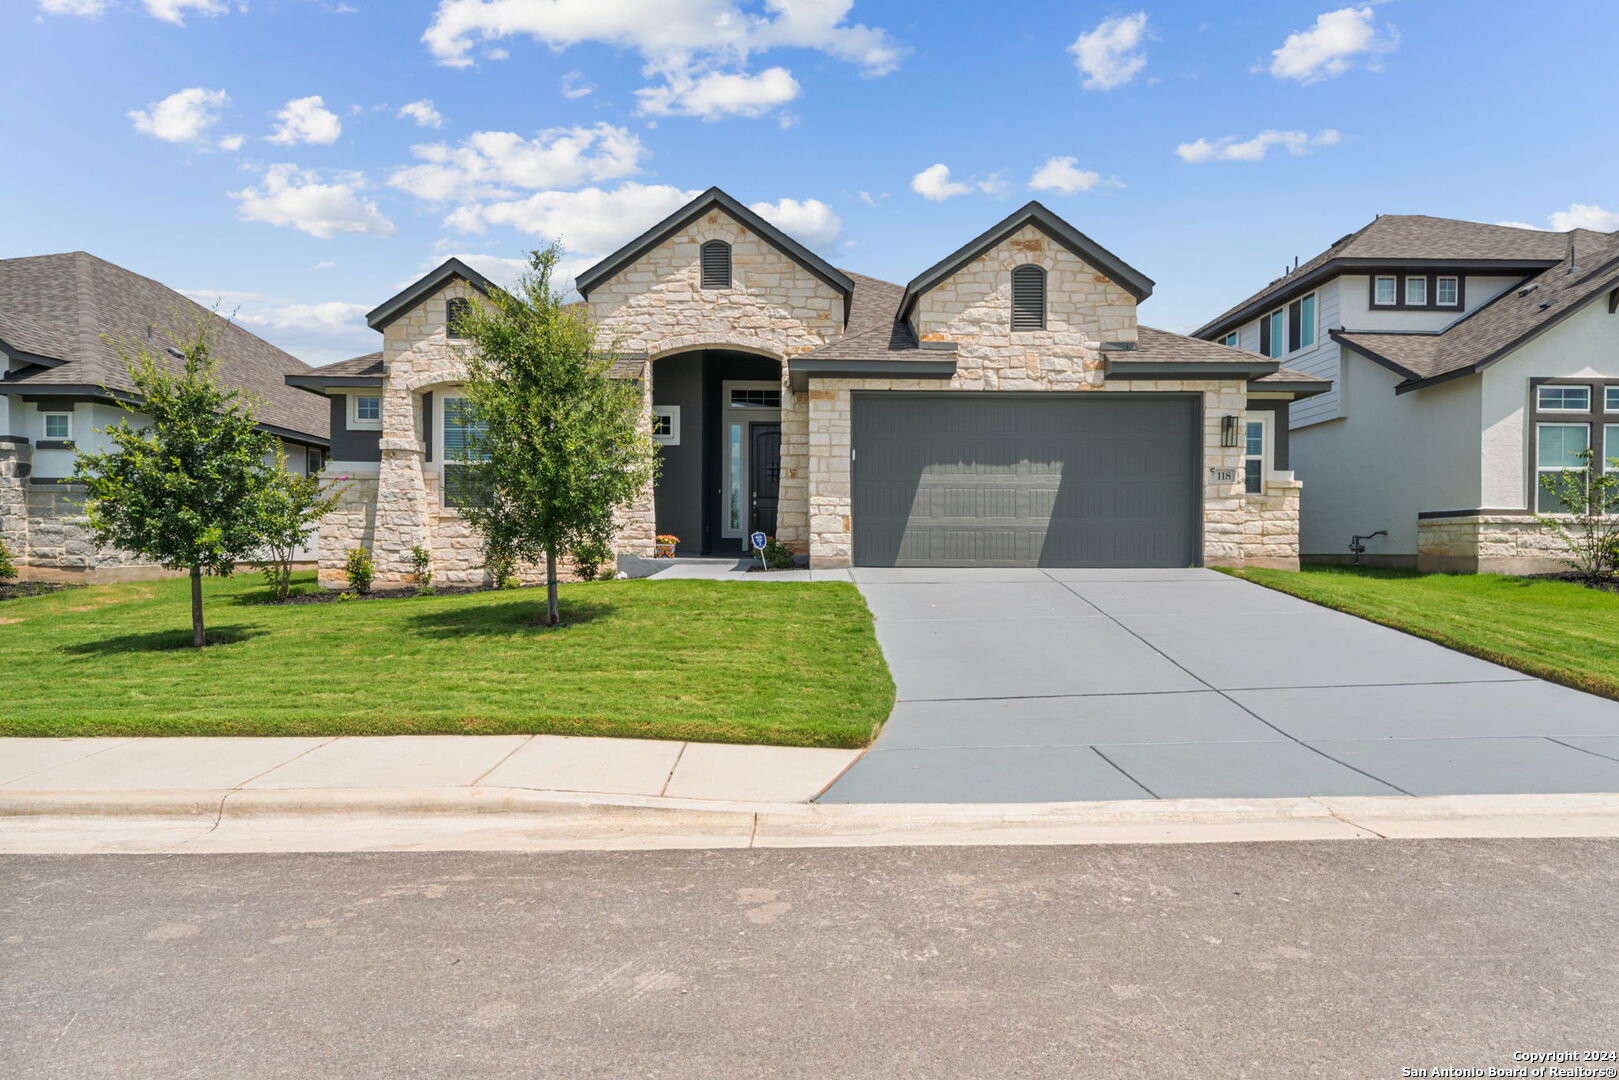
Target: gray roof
[[873, 332], [1489, 332], [369, 364], [1405, 240], [55, 309]]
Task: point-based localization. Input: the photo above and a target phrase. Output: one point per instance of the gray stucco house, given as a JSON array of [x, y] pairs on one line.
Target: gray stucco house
[[1003, 408], [1466, 360], [64, 380]]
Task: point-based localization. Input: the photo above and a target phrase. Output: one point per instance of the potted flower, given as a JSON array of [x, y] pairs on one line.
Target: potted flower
[[666, 546]]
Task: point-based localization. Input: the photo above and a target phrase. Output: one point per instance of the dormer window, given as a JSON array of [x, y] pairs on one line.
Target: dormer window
[[1417, 292], [456, 312], [1028, 298], [716, 265]]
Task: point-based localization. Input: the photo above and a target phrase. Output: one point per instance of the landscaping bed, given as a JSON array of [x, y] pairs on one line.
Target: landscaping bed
[[16, 590], [1549, 627], [770, 662]]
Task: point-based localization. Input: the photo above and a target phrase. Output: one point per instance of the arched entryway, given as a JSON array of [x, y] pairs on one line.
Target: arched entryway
[[718, 414]]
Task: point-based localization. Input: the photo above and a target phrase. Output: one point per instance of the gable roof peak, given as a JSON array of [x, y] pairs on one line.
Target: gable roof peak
[[429, 283]]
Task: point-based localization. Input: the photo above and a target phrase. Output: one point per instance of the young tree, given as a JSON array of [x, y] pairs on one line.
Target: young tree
[[1589, 524], [292, 508], [562, 443], [185, 490]]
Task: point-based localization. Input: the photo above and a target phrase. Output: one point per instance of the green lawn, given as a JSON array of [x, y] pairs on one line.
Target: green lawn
[[1554, 629], [758, 662]]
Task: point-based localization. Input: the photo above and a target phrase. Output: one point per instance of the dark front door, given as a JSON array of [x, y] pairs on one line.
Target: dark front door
[[764, 476]]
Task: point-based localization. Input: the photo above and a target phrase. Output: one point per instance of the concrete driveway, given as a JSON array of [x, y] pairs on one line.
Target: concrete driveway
[[1057, 685]]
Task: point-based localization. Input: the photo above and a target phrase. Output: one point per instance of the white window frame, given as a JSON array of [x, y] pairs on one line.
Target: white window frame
[[1419, 280], [727, 387], [672, 413], [1278, 333], [1541, 470], [1231, 339], [1541, 407], [734, 474], [1456, 300], [1264, 455], [312, 453], [1610, 399], [1394, 290], [46, 428], [357, 424]]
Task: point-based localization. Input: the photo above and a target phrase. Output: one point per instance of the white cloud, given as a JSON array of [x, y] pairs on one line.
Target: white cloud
[[331, 315], [1330, 47], [306, 119], [934, 183], [487, 162], [718, 94], [872, 200], [423, 113], [172, 11], [1109, 56], [575, 86], [1577, 216], [1062, 174], [503, 271], [295, 198], [1231, 149], [324, 264], [592, 219], [232, 142], [183, 116], [684, 44], [810, 222]]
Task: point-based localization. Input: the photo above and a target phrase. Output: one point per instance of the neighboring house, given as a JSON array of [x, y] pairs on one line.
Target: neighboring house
[[1466, 360], [1002, 409], [64, 380]]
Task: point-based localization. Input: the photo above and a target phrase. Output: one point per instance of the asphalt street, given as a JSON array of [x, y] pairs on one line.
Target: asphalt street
[[1341, 959]]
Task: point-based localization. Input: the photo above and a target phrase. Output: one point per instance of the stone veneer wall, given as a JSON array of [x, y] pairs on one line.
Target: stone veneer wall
[[1238, 529], [1487, 544], [775, 308], [973, 309]]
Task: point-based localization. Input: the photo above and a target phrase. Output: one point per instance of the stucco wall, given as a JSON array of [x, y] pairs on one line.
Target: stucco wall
[[1586, 344], [1388, 458]]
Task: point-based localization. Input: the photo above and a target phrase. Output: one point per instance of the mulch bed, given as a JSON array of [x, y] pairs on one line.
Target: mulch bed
[[16, 590], [1604, 585], [333, 596]]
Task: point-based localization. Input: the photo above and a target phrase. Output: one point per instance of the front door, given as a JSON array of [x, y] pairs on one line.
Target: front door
[[764, 476]]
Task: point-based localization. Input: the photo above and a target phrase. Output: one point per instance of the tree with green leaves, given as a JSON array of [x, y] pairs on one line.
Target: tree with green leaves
[[1588, 523], [292, 508], [559, 443], [186, 489]]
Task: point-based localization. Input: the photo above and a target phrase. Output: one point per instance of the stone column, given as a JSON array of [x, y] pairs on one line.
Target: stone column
[[16, 461]]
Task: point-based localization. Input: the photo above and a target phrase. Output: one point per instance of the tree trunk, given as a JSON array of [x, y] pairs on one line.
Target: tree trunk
[[553, 616], [196, 607]]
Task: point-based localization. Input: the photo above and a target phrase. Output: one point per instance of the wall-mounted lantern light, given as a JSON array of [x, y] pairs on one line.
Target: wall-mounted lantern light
[[1230, 428]]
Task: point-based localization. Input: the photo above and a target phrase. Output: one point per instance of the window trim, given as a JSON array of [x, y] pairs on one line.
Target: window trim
[[1541, 470], [1430, 291], [1263, 419], [45, 422], [1273, 336], [355, 422], [1542, 409], [1296, 326], [1420, 281], [758, 384], [314, 460], [1231, 340], [1591, 419], [1012, 317], [672, 414], [1610, 405]]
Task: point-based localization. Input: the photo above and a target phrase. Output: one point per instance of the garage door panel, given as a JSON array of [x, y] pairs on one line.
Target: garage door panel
[[998, 480]]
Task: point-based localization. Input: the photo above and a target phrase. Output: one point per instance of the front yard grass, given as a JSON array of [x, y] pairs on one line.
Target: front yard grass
[[1557, 630], [714, 661]]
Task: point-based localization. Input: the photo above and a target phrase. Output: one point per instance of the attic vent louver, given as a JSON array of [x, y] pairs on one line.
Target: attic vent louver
[[716, 265], [1028, 298]]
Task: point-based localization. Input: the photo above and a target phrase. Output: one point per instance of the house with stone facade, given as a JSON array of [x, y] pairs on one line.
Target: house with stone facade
[[1003, 408], [1466, 361], [62, 319]]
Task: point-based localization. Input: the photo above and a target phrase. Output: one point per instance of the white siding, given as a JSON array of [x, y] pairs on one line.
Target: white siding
[[1389, 458], [1585, 345], [1321, 360]]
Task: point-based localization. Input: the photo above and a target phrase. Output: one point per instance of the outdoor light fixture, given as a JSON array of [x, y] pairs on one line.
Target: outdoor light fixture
[[1229, 428]]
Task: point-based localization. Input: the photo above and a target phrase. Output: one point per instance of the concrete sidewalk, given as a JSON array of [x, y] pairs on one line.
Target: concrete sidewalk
[[648, 767]]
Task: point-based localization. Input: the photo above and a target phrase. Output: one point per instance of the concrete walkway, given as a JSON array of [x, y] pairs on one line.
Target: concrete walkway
[[1072, 685], [645, 767], [718, 568]]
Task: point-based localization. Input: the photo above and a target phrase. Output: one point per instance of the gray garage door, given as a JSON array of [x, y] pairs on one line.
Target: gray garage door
[[964, 479]]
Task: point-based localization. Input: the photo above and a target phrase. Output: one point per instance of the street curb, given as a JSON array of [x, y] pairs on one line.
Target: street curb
[[490, 818]]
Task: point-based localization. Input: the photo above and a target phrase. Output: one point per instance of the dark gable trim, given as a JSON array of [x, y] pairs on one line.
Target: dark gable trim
[[1289, 288], [317, 384], [711, 199], [801, 371], [1128, 277], [1190, 369], [27, 358], [1376, 358], [390, 309], [1297, 389]]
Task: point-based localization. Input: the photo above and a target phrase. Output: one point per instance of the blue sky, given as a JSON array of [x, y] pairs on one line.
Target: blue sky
[[258, 151]]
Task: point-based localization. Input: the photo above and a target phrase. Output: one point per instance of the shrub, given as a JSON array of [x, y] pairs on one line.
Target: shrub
[[421, 564], [591, 559], [292, 508], [1589, 526], [502, 571], [8, 572], [359, 570], [778, 556]]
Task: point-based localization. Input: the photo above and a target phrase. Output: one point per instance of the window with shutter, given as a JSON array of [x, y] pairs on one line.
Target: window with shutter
[[1028, 298], [716, 263]]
